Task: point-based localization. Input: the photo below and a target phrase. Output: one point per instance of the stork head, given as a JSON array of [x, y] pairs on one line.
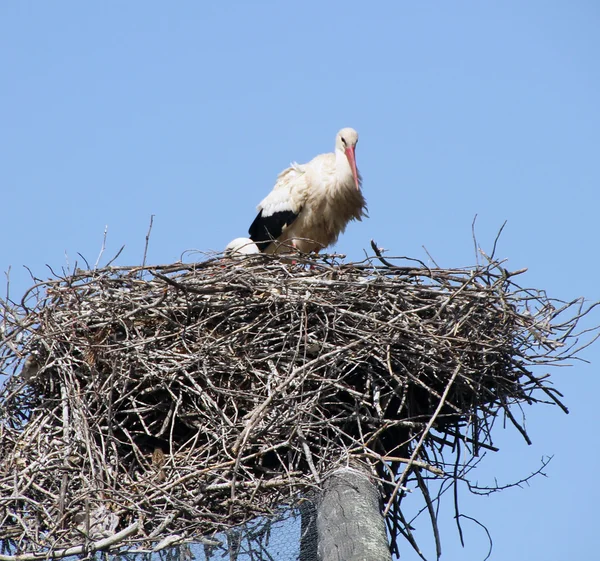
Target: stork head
[[345, 142]]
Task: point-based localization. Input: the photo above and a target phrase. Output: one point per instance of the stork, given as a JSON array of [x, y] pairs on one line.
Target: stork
[[311, 204], [240, 246]]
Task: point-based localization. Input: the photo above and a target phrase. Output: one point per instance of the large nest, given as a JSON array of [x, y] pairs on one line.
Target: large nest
[[147, 401]]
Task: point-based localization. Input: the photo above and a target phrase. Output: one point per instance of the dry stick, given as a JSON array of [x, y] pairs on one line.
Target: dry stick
[[308, 455], [164, 339], [66, 437], [431, 510], [395, 267], [417, 463], [241, 440], [538, 385], [514, 421], [99, 545], [421, 440], [147, 240], [475, 244], [164, 488], [407, 533], [102, 248]]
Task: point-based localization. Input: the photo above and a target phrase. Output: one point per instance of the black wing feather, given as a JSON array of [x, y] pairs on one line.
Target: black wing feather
[[265, 229]]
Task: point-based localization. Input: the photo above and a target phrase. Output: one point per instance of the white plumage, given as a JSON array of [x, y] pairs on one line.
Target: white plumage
[[241, 246], [312, 203]]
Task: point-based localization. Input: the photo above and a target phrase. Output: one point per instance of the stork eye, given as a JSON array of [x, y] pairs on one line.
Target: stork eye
[[343, 140]]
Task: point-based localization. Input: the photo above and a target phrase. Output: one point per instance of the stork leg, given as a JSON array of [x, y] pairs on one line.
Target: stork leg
[[312, 267]]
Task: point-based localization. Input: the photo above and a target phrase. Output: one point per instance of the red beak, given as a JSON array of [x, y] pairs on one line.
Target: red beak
[[352, 161]]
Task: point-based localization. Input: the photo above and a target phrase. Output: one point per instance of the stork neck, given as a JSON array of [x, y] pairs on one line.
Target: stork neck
[[343, 171]]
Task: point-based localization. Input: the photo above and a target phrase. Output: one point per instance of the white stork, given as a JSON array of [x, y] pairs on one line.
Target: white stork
[[241, 246], [312, 203]]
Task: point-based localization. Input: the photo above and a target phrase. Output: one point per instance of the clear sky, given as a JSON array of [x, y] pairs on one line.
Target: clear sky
[[111, 112]]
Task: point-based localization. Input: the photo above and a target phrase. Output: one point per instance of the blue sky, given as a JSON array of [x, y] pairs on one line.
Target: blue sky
[[113, 111]]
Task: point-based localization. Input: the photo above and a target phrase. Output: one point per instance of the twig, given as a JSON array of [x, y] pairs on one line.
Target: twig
[[424, 435], [205, 394], [102, 248], [147, 240], [99, 545]]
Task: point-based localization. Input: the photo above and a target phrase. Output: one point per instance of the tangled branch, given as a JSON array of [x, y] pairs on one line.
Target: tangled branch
[[189, 398]]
